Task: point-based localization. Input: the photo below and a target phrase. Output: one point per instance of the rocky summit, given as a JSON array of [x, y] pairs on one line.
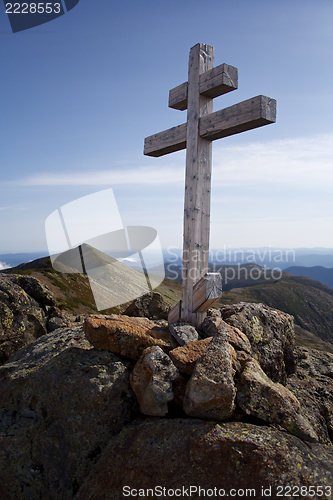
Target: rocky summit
[[124, 406]]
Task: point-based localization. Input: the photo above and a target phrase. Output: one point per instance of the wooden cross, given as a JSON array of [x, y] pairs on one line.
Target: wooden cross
[[200, 288]]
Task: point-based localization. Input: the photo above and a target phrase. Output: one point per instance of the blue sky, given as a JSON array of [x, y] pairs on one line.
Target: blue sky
[[80, 94]]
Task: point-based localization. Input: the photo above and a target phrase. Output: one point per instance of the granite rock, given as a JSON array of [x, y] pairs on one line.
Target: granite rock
[[126, 336], [60, 403], [186, 356], [180, 453], [312, 384], [150, 306], [151, 381], [271, 334], [210, 392], [257, 395], [183, 333], [23, 318]]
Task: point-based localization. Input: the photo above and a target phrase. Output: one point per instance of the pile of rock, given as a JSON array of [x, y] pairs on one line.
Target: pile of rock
[[219, 372]]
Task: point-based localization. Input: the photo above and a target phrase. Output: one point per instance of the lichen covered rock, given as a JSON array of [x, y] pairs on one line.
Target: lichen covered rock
[[60, 403], [271, 334], [151, 380], [183, 333], [210, 392], [150, 305], [257, 395], [23, 315], [186, 356], [231, 457], [126, 336]]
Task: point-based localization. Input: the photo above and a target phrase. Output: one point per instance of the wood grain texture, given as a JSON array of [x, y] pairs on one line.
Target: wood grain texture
[[212, 83], [246, 115], [206, 292], [197, 183], [168, 141], [178, 97], [174, 313]]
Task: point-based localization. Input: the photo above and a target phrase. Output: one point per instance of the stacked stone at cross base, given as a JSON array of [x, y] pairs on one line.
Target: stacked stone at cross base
[[229, 373], [127, 402]]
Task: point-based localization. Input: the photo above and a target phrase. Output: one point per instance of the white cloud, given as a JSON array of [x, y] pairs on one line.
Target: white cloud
[[300, 163], [3, 265], [141, 175]]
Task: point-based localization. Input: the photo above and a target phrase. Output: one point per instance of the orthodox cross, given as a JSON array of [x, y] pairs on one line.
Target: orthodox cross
[[201, 289]]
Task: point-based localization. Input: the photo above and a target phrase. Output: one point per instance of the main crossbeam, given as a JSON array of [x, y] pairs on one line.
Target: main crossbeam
[[246, 115]]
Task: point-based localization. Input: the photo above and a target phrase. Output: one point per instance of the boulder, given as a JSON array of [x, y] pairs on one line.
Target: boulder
[[214, 325], [35, 289], [232, 457], [150, 306], [257, 395], [183, 333], [60, 403], [151, 380], [312, 383], [126, 336], [210, 392], [186, 356], [23, 318], [271, 334]]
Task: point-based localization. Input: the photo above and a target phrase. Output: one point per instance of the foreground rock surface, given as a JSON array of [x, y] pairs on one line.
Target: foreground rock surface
[[177, 453], [23, 317], [66, 411], [125, 335], [60, 403]]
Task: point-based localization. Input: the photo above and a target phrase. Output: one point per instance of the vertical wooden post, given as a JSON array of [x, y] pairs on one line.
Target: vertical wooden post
[[197, 183]]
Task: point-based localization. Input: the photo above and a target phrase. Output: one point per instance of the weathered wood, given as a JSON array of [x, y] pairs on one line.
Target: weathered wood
[[168, 141], [178, 97], [174, 313], [206, 292], [246, 115], [212, 83], [197, 183], [219, 81], [199, 291]]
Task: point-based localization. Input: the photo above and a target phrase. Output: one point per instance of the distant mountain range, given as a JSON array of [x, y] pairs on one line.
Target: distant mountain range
[[319, 273], [265, 257]]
